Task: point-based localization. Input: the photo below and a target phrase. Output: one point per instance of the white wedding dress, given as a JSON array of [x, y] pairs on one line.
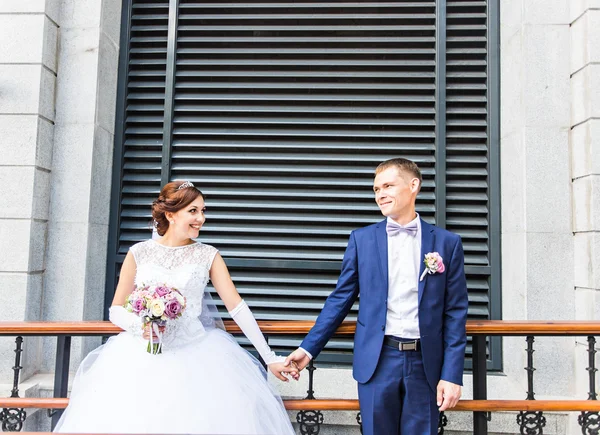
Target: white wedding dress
[[203, 382]]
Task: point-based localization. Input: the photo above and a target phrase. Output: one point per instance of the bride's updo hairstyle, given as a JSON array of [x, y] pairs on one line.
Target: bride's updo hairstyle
[[173, 197]]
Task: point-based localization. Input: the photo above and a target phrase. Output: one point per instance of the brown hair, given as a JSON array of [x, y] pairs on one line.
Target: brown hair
[[172, 199], [404, 166]]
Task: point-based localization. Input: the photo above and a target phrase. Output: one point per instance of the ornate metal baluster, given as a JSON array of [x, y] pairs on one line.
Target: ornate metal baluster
[[442, 423], [590, 421], [310, 421], [13, 418], [531, 422]]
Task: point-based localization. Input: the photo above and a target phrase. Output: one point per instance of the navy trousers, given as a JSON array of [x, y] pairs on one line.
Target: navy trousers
[[397, 399]]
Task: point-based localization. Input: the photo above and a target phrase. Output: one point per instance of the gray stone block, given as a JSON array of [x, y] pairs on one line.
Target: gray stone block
[[108, 66], [585, 94], [587, 307], [101, 176], [95, 277], [19, 135], [78, 76], [22, 176], [547, 176], [110, 22], [15, 238], [514, 275], [71, 172], [53, 10], [22, 38], [15, 296], [41, 194], [50, 45], [511, 19], [23, 6], [80, 14], [586, 271], [64, 279], [512, 84], [578, 7], [546, 12], [585, 40], [44, 143], [550, 277], [37, 247], [47, 94], [585, 149], [20, 89], [546, 87], [586, 203], [513, 174]]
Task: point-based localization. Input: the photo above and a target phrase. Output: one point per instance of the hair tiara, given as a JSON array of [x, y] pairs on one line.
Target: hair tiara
[[185, 184]]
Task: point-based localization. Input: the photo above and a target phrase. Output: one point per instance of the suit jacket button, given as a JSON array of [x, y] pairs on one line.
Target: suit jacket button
[[383, 328]]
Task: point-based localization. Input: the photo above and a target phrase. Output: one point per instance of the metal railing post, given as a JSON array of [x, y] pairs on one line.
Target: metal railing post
[[479, 383], [61, 373]]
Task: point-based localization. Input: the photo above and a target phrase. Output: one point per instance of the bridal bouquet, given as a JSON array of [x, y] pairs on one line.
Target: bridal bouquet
[[155, 305]]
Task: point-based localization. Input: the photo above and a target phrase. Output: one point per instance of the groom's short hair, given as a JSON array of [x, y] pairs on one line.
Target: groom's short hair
[[404, 166]]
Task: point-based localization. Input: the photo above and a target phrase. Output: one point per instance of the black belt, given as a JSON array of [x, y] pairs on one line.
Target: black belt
[[413, 345]]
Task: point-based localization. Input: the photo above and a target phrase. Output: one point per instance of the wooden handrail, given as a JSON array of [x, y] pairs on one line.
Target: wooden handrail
[[532, 327], [352, 405], [474, 327]]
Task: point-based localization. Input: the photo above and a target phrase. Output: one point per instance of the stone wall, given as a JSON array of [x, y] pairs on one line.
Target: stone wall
[[28, 70], [58, 77]]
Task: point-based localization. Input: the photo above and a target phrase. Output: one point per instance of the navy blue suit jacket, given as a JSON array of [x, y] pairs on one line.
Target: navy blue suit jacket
[[443, 304]]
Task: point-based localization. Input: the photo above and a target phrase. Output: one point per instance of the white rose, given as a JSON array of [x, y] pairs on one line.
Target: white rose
[[180, 299], [157, 307]]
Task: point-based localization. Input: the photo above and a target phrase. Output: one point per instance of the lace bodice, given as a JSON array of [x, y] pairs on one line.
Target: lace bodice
[[185, 268]]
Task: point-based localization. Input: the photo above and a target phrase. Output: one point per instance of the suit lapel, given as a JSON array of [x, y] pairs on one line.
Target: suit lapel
[[427, 243], [382, 250]]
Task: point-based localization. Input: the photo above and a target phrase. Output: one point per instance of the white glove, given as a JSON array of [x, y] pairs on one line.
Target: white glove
[[125, 320], [247, 323]]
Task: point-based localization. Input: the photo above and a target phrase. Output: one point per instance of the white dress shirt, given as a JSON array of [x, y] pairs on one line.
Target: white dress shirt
[[404, 252]]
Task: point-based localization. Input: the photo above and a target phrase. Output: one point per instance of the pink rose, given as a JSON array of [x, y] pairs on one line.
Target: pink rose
[[172, 309], [161, 291], [138, 305], [440, 266]]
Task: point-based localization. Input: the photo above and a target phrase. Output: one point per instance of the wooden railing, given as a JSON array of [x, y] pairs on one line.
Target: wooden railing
[[530, 411]]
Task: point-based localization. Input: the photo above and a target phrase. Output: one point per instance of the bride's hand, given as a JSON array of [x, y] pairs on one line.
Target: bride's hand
[[280, 371]]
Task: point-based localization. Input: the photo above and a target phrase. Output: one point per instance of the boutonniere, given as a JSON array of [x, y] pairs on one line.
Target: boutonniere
[[434, 263]]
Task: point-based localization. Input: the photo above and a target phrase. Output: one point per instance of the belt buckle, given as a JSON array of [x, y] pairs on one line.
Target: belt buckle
[[408, 345]]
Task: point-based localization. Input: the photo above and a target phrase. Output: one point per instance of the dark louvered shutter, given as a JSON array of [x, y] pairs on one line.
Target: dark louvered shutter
[[142, 119], [280, 113]]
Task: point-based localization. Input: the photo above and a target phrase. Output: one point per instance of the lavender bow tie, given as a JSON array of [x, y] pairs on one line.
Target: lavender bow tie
[[393, 229]]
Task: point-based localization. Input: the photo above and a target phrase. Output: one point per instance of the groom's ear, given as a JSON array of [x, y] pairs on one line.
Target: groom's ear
[[415, 185]]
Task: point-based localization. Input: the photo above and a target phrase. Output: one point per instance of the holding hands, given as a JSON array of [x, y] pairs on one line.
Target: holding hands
[[298, 359], [281, 371]]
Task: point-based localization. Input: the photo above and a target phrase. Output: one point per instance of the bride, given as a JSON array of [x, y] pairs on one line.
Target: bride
[[203, 381]]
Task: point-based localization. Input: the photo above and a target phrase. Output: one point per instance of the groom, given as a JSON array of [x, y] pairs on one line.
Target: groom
[[410, 339]]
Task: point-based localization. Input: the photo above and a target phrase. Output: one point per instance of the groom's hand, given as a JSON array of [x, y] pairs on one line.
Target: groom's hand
[[298, 357], [447, 395]]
